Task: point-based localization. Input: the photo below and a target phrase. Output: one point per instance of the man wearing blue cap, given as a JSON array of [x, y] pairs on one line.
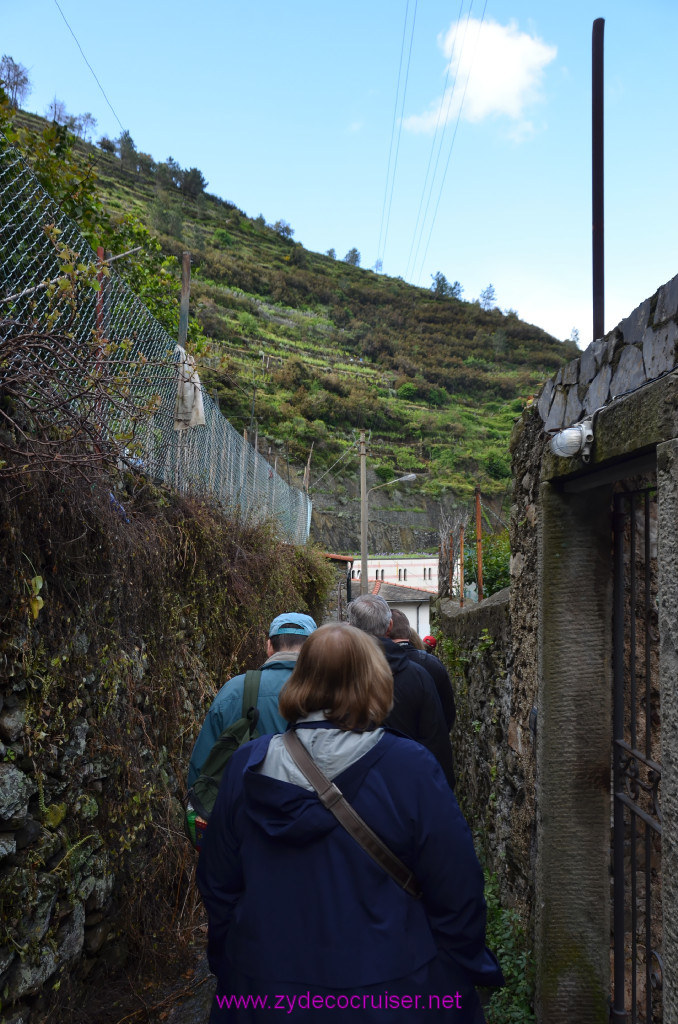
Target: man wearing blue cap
[[285, 638]]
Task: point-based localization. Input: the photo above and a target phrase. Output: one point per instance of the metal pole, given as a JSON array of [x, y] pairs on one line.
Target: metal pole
[[479, 545], [451, 565], [363, 514], [461, 566], [185, 295], [598, 180]]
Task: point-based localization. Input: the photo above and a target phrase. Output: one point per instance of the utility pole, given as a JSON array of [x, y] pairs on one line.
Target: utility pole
[[363, 514], [450, 566], [461, 566], [479, 545], [598, 180], [185, 295]]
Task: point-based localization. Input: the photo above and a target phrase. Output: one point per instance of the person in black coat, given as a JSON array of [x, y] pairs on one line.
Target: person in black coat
[[417, 711], [400, 634]]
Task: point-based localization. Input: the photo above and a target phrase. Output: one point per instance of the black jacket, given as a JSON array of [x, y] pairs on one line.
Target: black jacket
[[438, 674], [417, 711]]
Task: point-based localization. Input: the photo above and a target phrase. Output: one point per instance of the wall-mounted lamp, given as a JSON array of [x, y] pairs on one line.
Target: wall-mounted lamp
[[574, 441]]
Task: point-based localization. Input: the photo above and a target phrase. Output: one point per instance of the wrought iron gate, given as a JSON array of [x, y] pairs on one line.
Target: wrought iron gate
[[637, 829]]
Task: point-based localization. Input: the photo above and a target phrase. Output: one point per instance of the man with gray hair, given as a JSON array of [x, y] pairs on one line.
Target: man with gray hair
[[417, 711]]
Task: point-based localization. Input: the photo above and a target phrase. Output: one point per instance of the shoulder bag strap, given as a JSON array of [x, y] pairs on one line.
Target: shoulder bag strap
[[333, 799]]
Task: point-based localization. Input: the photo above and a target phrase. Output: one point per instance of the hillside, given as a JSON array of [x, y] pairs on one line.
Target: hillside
[[304, 350]]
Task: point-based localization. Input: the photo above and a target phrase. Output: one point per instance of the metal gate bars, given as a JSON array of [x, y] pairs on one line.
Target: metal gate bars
[[637, 829]]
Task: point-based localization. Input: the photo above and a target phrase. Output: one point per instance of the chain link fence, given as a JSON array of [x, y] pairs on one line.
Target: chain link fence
[[41, 254]]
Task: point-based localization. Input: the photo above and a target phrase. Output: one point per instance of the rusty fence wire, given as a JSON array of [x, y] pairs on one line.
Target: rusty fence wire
[[38, 245]]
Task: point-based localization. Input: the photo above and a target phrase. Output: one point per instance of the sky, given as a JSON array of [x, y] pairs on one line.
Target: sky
[[450, 137]]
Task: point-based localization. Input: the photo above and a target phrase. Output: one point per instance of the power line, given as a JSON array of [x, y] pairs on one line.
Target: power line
[[415, 252], [89, 65], [447, 166], [342, 456], [400, 128], [395, 112]]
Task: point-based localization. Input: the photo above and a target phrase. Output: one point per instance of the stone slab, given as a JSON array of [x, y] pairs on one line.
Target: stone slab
[[634, 326], [573, 409], [659, 349], [667, 302], [544, 401], [589, 363], [15, 791], [571, 372], [630, 372], [599, 391], [556, 416]]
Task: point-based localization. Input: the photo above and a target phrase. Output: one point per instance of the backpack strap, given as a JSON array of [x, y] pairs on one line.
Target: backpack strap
[[250, 696]]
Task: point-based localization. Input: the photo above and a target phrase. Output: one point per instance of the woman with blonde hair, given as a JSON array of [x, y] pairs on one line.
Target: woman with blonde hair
[[302, 916]]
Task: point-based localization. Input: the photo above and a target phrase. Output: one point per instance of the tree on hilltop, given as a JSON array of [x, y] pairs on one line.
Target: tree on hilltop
[[168, 174], [56, 112], [442, 289], [488, 297], [14, 79], [282, 228], [127, 151], [193, 183], [82, 125], [352, 257]]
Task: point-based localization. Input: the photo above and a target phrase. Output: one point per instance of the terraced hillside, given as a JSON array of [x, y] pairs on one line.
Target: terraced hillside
[[303, 350]]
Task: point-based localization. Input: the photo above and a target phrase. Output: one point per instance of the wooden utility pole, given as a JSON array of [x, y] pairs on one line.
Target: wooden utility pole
[[185, 296], [363, 514], [479, 545]]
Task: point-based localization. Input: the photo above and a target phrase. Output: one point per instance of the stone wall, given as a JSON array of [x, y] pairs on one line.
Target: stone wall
[[640, 349], [102, 691], [477, 650], [560, 614], [499, 670]]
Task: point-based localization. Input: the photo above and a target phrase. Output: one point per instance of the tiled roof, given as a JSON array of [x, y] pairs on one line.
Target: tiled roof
[[394, 592]]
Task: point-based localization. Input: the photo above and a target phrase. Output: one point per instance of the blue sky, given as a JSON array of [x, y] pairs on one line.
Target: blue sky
[[291, 110]]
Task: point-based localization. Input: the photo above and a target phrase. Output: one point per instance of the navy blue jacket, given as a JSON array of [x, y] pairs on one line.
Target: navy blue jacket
[[438, 674], [417, 710], [293, 900]]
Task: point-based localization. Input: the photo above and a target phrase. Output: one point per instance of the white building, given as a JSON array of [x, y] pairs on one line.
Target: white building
[[419, 571], [413, 602]]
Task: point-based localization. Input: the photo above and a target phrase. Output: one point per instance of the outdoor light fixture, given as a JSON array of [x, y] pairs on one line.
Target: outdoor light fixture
[[574, 441]]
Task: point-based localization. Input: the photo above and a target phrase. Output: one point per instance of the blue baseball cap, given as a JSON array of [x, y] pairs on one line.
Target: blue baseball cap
[[293, 623]]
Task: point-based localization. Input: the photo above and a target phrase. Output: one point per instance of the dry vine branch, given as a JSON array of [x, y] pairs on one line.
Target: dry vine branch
[[65, 402]]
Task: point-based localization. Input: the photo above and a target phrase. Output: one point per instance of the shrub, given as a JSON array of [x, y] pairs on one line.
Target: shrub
[[407, 392]]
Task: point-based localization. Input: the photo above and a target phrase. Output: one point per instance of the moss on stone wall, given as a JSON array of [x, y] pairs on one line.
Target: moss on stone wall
[[150, 601]]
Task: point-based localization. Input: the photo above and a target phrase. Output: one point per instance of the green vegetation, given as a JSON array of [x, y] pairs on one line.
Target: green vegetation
[[310, 347], [506, 937], [496, 556]]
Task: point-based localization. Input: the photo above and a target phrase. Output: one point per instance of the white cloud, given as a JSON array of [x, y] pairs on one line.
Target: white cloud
[[494, 70]]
